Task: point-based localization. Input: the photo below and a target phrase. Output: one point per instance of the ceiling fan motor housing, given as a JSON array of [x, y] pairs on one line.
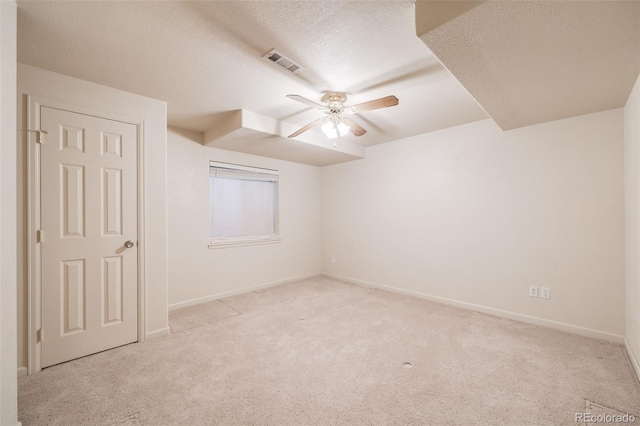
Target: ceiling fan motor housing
[[330, 97], [335, 102]]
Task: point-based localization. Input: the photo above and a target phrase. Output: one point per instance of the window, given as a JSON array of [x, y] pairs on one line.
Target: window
[[244, 205]]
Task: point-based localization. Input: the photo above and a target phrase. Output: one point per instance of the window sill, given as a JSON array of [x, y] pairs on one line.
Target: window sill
[[239, 242]]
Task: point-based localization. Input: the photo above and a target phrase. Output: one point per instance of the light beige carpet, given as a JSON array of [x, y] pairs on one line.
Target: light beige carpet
[[322, 352]]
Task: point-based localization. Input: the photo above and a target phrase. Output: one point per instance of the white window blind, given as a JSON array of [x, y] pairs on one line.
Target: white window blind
[[243, 203]]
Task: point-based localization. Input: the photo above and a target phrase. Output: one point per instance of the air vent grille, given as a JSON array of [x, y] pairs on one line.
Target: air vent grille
[[283, 61]]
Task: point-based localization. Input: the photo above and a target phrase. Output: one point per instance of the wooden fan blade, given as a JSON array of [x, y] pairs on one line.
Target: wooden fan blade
[[356, 129], [305, 128], [385, 102], [305, 101]]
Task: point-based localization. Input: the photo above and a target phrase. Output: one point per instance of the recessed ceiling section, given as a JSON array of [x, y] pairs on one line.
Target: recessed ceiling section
[[536, 61], [205, 58], [248, 132]]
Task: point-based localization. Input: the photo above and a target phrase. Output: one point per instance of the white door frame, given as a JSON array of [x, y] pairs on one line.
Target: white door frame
[[34, 253]]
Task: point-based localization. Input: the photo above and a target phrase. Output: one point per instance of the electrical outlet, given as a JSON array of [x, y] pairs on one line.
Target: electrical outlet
[[533, 291], [333, 259], [545, 292]]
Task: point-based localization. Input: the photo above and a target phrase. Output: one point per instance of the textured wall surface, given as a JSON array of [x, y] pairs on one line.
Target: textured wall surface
[[8, 390], [632, 220], [477, 215], [96, 98], [197, 272]]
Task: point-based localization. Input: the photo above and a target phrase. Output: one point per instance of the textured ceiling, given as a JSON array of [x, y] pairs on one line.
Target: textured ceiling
[[524, 62], [528, 62], [205, 60]]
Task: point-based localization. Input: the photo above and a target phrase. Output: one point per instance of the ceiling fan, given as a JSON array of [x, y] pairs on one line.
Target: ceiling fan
[[336, 123]]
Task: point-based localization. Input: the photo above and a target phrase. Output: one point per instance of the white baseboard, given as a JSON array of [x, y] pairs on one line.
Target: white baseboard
[[632, 357], [22, 371], [204, 299], [158, 333], [570, 328]]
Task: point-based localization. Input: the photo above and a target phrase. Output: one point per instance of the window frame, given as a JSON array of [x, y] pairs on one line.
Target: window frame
[[248, 240]]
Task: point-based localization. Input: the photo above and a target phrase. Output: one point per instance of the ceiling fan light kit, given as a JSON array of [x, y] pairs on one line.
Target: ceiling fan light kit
[[334, 127], [335, 123]]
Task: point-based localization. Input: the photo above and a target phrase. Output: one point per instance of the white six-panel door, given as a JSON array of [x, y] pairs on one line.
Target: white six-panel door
[[88, 214]]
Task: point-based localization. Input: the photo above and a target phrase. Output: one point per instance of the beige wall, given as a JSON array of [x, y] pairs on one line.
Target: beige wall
[[8, 384], [632, 222], [100, 99], [198, 273], [476, 215], [470, 215]]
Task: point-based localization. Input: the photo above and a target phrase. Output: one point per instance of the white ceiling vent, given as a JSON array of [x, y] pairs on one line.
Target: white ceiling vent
[[283, 61]]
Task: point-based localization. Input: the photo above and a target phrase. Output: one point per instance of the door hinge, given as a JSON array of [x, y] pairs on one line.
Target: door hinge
[[39, 135], [40, 335], [40, 236]]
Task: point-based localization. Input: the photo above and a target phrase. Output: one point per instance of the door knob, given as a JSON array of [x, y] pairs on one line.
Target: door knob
[[128, 244]]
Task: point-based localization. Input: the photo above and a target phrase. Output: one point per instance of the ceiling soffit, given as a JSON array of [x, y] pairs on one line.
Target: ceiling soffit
[[246, 131], [528, 62]]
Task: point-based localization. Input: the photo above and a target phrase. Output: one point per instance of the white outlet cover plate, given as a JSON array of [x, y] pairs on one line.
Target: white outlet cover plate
[[533, 291], [545, 292]]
